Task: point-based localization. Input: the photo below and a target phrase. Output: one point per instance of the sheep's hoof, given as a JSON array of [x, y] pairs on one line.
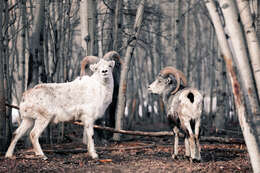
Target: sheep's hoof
[[43, 157], [187, 157], [94, 155], [10, 157], [195, 160], [174, 156]]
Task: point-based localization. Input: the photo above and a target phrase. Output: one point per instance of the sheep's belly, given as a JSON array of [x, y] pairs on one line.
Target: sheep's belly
[[69, 114]]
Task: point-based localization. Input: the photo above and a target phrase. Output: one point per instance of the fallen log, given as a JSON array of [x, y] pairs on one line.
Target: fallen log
[[168, 133]]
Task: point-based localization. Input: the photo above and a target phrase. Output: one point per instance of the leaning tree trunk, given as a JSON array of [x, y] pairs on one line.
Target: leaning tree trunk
[[252, 40], [123, 79], [250, 138]]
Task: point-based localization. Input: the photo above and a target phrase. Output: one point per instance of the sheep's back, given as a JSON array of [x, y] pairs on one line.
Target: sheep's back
[[189, 107]]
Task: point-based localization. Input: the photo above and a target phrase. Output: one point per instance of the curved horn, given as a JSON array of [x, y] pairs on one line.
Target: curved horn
[[87, 60], [112, 55], [178, 75]]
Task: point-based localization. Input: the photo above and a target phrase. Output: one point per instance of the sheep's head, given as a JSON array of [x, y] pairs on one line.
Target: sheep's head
[[168, 81], [111, 55], [103, 68]]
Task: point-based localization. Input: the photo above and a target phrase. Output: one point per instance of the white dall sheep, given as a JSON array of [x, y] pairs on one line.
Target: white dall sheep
[[183, 106], [109, 117], [84, 99]]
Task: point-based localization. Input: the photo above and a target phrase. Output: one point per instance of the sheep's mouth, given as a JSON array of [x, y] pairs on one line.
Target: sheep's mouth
[[150, 91], [105, 74]]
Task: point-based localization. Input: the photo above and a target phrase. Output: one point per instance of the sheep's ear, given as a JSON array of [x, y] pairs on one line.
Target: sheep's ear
[[169, 80], [112, 63], [93, 67]]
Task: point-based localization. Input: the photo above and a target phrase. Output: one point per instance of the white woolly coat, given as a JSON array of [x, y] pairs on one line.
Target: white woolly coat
[[83, 99]]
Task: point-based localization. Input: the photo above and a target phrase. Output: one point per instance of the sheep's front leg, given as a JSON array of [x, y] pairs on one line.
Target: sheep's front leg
[[90, 132], [176, 142], [85, 137]]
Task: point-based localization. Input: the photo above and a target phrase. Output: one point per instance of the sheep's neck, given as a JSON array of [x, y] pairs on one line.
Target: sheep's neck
[[165, 97]]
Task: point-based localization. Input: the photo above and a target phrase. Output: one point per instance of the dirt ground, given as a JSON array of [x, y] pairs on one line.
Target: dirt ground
[[141, 154]]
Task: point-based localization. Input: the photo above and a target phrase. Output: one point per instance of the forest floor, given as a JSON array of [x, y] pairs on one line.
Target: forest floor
[[140, 154]]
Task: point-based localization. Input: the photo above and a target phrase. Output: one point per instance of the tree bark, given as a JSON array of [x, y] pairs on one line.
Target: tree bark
[[123, 79], [250, 138]]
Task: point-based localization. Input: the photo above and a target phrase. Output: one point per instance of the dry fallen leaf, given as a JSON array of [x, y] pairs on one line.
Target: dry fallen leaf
[[105, 160]]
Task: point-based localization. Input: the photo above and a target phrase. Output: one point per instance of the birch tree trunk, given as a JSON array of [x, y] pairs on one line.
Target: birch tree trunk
[[125, 68], [34, 57], [188, 29], [179, 38], [116, 23], [2, 90], [87, 24], [252, 40], [250, 138], [19, 75]]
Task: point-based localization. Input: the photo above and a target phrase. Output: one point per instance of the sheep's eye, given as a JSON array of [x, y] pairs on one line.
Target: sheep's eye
[[159, 81], [110, 66]]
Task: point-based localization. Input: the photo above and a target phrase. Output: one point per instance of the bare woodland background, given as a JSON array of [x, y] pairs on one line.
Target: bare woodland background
[[42, 41]]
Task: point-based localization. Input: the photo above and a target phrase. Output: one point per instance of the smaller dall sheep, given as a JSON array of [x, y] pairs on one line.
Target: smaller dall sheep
[[84, 99], [183, 106]]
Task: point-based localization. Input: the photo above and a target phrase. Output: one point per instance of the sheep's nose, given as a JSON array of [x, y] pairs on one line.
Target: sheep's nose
[[104, 71]]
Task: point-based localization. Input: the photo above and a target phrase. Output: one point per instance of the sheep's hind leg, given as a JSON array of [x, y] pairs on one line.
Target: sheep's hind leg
[[39, 126], [20, 131], [176, 142], [191, 139], [197, 143], [187, 147]]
